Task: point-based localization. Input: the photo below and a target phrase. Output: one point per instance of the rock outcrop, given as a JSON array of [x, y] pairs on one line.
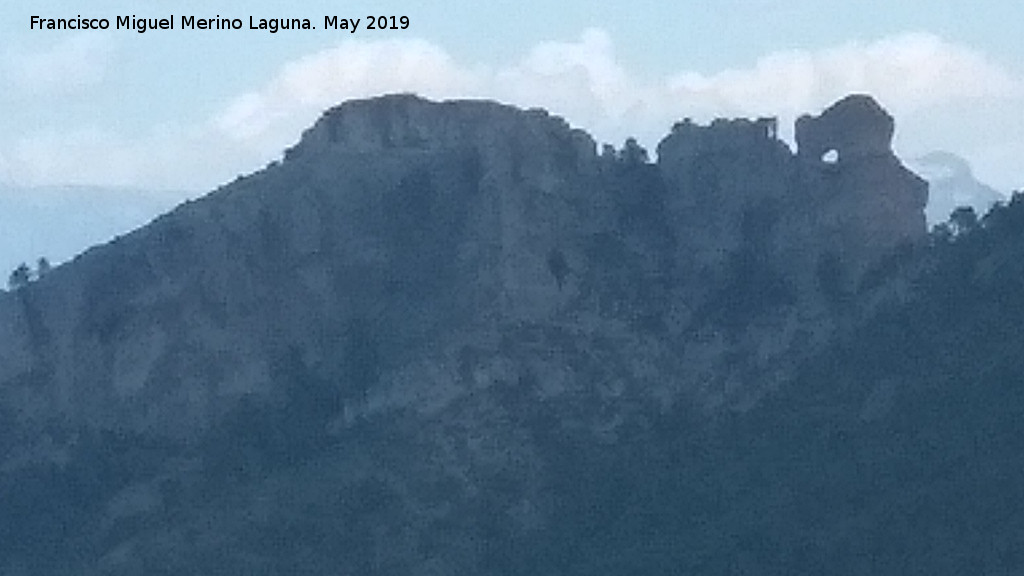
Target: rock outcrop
[[878, 203], [854, 127]]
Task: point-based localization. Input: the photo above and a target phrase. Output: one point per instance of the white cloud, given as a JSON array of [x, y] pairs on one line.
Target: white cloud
[[913, 75], [581, 76], [68, 65], [906, 72], [580, 80], [188, 158], [584, 81], [305, 87]]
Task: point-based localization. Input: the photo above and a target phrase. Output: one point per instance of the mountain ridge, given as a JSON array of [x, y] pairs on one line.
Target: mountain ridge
[[454, 338], [471, 189]]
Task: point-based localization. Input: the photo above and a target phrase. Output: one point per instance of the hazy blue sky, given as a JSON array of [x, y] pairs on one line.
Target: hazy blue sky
[[189, 110]]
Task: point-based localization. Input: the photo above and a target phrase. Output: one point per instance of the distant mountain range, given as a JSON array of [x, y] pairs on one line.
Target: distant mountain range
[[952, 184]]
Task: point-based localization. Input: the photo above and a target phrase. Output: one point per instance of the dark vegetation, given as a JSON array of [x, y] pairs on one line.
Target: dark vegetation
[[896, 451], [23, 274]]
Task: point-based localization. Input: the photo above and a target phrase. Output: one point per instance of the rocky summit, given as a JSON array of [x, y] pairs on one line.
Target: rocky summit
[[450, 338]]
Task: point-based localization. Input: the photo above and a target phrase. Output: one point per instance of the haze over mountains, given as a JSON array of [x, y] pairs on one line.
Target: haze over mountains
[[60, 222], [951, 185], [453, 338]]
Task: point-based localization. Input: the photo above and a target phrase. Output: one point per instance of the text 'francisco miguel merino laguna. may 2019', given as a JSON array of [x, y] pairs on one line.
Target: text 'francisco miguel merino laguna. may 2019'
[[271, 25]]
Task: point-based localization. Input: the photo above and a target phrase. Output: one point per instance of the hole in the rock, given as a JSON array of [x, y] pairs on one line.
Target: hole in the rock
[[830, 157]]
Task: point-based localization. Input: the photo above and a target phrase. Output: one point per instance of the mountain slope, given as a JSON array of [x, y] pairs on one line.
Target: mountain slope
[[452, 338]]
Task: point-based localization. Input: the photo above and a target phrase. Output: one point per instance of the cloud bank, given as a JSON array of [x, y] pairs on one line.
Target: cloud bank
[[68, 65], [918, 77]]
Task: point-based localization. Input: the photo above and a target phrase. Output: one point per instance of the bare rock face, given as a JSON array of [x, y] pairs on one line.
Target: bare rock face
[[523, 175], [844, 192], [778, 237], [715, 174], [412, 216], [874, 202], [853, 127]]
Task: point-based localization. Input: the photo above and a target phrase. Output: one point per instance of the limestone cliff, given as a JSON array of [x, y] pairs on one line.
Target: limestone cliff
[[878, 202], [774, 244]]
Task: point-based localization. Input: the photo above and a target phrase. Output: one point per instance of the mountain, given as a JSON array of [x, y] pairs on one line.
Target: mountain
[[951, 185], [452, 338]]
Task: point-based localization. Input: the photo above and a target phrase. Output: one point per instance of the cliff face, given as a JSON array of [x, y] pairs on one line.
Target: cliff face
[[878, 202], [844, 190], [773, 245], [417, 216], [429, 228]]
